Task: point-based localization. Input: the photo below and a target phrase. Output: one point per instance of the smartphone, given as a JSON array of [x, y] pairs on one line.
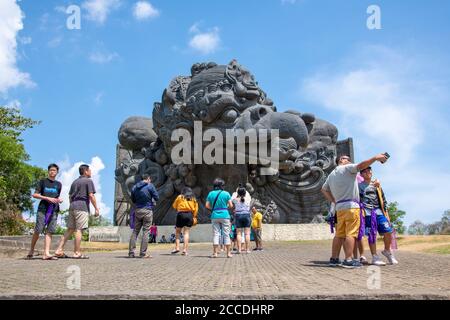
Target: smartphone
[[387, 155]]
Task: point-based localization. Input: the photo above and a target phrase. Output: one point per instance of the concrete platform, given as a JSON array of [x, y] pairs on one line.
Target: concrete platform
[[284, 270]]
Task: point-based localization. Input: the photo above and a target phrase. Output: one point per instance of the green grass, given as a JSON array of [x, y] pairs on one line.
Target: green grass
[[440, 250]]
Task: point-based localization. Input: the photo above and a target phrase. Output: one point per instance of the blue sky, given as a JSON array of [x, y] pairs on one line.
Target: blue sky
[[388, 88]]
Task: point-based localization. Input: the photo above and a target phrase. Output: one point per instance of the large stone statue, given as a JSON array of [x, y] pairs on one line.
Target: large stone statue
[[228, 97]]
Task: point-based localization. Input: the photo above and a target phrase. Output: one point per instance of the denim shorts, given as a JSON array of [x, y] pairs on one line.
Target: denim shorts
[[383, 224], [243, 221]]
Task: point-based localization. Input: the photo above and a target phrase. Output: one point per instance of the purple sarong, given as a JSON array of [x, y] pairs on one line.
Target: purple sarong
[[49, 213], [373, 226], [132, 218]]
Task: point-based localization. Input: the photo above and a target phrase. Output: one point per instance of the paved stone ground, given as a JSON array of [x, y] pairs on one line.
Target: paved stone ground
[[289, 270]]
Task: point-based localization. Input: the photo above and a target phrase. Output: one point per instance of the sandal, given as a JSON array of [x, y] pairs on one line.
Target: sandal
[[175, 251], [229, 256], [61, 256], [82, 256], [50, 258], [184, 253], [214, 255], [29, 257]]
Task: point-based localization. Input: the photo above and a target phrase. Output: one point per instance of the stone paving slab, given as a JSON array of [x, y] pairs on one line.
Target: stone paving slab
[[285, 270]]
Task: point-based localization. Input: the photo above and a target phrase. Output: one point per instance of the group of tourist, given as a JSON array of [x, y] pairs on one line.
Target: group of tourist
[[144, 196], [219, 201], [81, 195], [360, 209]]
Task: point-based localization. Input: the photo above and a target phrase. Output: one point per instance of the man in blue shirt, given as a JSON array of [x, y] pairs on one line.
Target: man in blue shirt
[[143, 194]]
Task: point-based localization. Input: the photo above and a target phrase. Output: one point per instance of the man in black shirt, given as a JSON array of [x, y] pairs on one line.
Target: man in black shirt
[[48, 191], [81, 194]]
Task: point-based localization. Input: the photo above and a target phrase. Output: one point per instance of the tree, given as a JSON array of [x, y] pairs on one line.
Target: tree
[[417, 228], [12, 123], [445, 221], [396, 216], [434, 228], [17, 177]]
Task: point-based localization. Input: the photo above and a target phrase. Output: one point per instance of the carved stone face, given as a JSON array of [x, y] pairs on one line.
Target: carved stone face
[[225, 97], [228, 97]]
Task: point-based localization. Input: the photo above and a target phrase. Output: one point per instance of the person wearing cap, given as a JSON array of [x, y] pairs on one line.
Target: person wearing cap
[[341, 189], [218, 201], [375, 206]]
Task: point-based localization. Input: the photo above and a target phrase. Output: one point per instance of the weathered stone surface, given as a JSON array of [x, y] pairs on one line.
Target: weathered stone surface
[[227, 97], [136, 133]]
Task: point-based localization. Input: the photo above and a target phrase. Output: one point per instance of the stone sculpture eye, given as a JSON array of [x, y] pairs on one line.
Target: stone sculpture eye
[[226, 87], [229, 116], [203, 114]]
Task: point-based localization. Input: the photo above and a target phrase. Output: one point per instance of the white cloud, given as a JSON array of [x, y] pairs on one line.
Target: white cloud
[[204, 42], [143, 10], [69, 172], [60, 9], [385, 104], [55, 42], [25, 40], [14, 104], [103, 57], [11, 23], [195, 28], [98, 98], [98, 10]]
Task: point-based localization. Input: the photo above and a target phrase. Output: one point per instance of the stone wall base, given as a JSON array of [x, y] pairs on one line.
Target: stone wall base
[[203, 233]]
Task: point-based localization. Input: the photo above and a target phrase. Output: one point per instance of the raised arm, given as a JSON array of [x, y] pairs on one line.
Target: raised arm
[[366, 163]]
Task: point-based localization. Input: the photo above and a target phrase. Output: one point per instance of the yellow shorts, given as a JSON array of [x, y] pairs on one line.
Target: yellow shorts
[[347, 223]]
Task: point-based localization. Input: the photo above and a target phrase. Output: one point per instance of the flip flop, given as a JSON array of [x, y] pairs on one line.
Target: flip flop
[[214, 255], [175, 251], [61, 256], [50, 258], [29, 257], [80, 257], [184, 253], [147, 256]]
